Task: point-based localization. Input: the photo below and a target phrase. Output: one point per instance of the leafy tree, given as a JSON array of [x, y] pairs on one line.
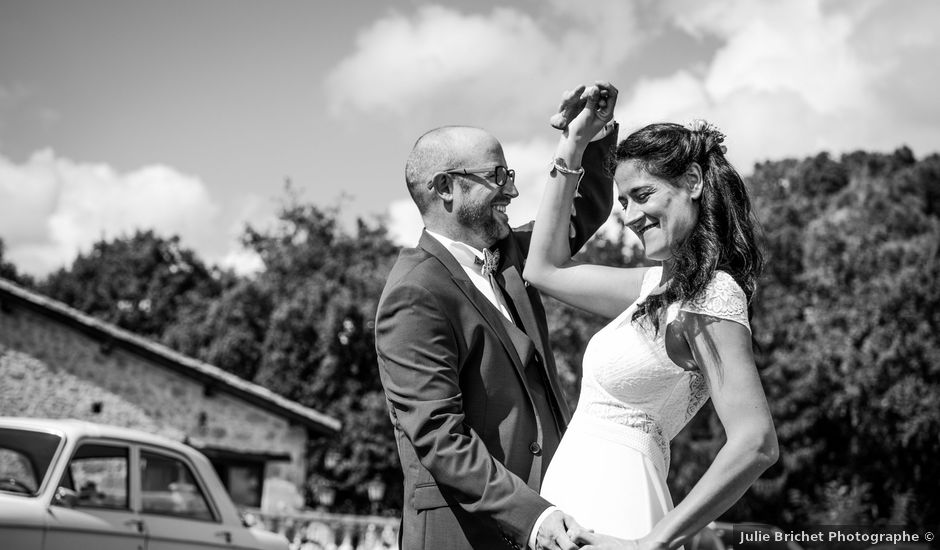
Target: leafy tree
[[227, 331], [140, 282], [8, 270], [303, 327], [845, 322], [319, 347]]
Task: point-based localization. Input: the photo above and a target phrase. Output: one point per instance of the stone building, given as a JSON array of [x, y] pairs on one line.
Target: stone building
[[56, 362]]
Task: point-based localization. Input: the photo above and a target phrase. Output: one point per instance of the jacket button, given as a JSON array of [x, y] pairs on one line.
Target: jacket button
[[535, 448]]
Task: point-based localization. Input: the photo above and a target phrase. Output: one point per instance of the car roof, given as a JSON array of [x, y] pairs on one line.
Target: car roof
[[72, 428]]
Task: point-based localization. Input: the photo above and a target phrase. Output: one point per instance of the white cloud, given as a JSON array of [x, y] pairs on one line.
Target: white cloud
[[401, 63], [441, 58], [661, 99], [796, 78], [51, 207], [404, 222], [242, 261], [530, 160], [793, 47]]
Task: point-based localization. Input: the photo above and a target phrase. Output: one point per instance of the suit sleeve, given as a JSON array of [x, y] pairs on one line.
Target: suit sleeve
[[595, 197], [418, 364]]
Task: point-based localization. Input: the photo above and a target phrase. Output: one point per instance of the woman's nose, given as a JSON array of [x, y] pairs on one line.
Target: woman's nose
[[632, 213]]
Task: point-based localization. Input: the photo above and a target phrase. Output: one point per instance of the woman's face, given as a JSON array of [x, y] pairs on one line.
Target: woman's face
[[660, 212]]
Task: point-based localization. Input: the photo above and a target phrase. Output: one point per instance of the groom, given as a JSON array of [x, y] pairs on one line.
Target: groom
[[463, 351]]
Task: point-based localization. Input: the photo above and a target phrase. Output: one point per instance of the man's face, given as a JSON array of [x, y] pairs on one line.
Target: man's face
[[479, 203]]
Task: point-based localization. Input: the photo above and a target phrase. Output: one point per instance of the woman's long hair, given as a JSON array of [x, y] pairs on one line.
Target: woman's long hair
[[725, 235]]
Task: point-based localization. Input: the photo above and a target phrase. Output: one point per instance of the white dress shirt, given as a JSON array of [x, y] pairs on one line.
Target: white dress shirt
[[467, 255]]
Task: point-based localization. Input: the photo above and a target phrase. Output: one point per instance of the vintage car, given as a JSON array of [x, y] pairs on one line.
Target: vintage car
[[69, 484]]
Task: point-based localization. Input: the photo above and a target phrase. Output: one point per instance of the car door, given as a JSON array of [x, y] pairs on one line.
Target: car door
[[98, 512], [177, 510]]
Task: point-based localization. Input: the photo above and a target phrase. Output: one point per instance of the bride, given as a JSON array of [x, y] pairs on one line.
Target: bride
[[679, 332]]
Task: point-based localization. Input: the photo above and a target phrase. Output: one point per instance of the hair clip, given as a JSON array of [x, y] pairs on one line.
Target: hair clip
[[713, 136]]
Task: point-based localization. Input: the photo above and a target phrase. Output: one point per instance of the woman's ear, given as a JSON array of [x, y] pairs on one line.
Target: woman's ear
[[694, 180], [441, 185]]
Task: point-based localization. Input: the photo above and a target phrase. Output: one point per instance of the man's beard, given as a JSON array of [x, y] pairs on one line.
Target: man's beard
[[480, 217]]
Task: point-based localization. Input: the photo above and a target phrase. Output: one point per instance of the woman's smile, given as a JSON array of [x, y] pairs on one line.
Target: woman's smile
[[646, 228]]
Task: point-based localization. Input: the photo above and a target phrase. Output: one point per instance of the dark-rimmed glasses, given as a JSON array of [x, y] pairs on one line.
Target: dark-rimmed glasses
[[501, 173]]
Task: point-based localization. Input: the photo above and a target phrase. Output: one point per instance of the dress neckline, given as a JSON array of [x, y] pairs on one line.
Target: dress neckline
[[658, 341]]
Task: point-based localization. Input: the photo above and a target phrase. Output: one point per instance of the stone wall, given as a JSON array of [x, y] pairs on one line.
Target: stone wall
[[48, 369]]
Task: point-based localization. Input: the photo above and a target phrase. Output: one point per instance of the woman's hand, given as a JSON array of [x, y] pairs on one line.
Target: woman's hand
[[597, 541]]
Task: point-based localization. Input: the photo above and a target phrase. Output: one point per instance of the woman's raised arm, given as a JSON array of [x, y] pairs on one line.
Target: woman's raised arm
[[599, 289]]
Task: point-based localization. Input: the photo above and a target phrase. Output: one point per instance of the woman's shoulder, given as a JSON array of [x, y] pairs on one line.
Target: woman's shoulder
[[722, 297]]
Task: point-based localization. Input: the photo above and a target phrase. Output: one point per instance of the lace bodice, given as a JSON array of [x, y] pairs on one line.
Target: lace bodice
[[629, 379]]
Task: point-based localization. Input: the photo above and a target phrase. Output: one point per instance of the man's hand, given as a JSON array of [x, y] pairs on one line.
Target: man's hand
[[599, 102], [553, 533], [571, 105]]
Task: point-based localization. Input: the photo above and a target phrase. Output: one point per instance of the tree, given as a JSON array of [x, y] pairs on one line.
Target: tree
[[845, 321], [139, 282], [303, 327], [227, 331]]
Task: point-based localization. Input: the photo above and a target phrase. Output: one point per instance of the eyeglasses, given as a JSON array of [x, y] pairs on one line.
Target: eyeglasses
[[501, 173]]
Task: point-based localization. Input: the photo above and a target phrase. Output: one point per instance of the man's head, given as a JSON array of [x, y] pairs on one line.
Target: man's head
[[453, 178]]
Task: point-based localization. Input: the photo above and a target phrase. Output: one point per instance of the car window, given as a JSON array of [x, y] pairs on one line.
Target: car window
[[169, 488], [25, 456], [16, 473], [98, 473]]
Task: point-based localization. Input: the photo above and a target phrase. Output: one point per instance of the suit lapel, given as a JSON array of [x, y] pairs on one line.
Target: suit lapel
[[516, 289], [518, 346], [519, 294]]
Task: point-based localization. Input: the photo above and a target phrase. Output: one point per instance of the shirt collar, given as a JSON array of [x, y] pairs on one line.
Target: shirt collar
[[462, 252]]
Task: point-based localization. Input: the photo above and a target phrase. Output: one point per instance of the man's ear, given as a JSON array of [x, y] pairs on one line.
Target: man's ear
[[441, 184], [694, 180]]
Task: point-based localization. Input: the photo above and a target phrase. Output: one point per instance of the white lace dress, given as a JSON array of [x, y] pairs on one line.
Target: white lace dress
[[609, 472]]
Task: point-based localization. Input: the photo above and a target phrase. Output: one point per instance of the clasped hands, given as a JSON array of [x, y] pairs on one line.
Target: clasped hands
[[560, 531], [585, 110]]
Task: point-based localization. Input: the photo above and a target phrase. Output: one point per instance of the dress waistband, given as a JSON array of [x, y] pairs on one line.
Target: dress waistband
[[640, 432]]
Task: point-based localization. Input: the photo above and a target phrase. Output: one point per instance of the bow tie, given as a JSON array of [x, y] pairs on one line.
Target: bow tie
[[490, 262]]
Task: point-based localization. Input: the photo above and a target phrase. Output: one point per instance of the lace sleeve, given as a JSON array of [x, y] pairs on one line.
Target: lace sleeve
[[722, 298]]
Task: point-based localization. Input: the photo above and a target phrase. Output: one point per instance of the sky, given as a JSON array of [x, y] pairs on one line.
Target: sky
[[190, 117]]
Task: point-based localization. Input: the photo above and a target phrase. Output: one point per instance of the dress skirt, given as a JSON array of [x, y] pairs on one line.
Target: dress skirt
[[611, 478]]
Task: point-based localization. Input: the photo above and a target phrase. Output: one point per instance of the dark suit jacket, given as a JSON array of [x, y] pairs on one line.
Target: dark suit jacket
[[474, 442]]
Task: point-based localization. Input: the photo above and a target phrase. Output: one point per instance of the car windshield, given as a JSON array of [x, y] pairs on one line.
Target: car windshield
[[25, 456]]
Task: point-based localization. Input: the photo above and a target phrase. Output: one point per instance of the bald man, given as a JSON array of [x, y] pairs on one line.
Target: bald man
[[464, 356]]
